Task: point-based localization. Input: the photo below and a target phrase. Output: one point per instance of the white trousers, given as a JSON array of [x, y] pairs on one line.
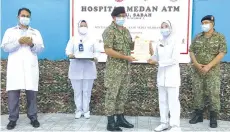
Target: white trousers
[[82, 94], [169, 102]]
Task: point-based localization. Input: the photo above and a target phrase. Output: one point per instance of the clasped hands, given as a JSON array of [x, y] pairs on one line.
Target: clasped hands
[[203, 68], [26, 41]]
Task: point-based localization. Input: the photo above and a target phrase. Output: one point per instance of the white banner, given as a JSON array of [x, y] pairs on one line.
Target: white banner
[[144, 19]]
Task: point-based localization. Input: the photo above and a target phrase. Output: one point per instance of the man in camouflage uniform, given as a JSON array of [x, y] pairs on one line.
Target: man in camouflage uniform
[[206, 52], [118, 45]]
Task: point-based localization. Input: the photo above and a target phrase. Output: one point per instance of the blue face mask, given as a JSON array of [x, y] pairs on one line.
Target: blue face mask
[[205, 27], [120, 21], [165, 32]]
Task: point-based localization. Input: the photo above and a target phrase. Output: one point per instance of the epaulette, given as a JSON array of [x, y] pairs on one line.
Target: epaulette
[[110, 30], [199, 35], [218, 33]]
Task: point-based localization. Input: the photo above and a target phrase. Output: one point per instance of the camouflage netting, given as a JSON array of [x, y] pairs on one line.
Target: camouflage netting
[[55, 93]]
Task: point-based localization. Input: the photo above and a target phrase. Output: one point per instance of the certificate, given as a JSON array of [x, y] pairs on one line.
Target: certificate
[[141, 50]]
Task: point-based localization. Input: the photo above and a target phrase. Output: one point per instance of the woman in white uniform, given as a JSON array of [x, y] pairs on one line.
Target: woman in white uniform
[[166, 55], [82, 72]]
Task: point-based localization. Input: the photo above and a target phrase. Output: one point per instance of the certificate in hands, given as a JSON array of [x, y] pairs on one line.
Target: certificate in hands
[[141, 50]]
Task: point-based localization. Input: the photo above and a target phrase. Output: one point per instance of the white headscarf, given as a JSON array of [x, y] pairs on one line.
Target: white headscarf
[[169, 26], [167, 40], [82, 36]]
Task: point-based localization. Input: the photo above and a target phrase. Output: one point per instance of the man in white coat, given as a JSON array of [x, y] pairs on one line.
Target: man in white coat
[[166, 55], [23, 43]]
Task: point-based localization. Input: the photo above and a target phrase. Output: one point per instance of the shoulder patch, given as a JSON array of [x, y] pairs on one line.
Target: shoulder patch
[[109, 30], [198, 36], [219, 34]]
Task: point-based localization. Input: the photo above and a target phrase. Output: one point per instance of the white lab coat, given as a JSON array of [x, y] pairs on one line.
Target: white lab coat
[[168, 59], [22, 67], [82, 69]]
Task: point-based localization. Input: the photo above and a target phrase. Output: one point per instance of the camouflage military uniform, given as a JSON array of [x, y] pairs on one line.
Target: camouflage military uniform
[[117, 75], [205, 50]]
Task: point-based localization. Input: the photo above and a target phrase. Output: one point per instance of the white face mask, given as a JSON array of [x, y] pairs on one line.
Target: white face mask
[[165, 32], [83, 30], [24, 21], [205, 27], [120, 21]]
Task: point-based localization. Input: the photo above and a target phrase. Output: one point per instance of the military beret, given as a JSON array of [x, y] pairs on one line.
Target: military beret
[[118, 10], [208, 17]]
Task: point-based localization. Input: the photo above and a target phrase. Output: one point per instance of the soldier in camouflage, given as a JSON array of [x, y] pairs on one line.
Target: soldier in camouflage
[[206, 51], [118, 45]]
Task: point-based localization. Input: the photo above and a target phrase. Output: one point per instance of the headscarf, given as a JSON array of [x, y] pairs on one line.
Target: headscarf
[[169, 26], [168, 39], [82, 36]]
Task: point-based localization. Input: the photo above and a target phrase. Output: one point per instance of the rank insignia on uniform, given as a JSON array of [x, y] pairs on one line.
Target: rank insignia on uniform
[[212, 18]]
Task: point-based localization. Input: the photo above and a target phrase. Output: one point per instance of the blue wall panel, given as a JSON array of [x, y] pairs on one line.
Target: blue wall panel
[[50, 17]]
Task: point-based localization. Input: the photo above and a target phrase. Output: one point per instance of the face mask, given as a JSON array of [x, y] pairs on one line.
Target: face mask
[[83, 30], [120, 21], [205, 27], [24, 21], [165, 32]]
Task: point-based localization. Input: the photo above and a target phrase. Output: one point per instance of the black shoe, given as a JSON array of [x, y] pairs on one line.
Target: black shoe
[[35, 123], [197, 117], [111, 126], [213, 119], [122, 122], [11, 125]]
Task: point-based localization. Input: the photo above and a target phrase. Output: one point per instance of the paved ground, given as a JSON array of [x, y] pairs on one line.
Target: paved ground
[[67, 123]]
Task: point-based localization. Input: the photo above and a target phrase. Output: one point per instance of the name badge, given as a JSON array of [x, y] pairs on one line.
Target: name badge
[[80, 46]]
